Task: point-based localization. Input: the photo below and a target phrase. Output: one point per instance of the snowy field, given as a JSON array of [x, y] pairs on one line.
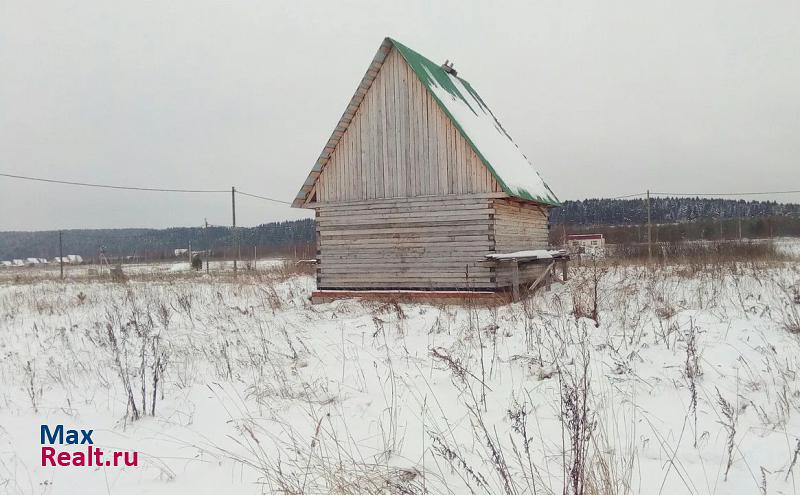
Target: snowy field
[[678, 379], [52, 270]]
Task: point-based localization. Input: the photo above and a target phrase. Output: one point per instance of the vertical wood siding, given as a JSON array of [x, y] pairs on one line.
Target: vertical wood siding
[[400, 144]]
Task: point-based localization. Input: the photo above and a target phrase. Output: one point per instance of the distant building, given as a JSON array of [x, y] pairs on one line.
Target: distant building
[[74, 259], [18, 262], [6, 264], [42, 261], [32, 261], [181, 252], [592, 244]]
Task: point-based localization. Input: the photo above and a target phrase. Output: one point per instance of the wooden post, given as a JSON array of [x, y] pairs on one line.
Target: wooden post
[[208, 249], [649, 231], [60, 255], [515, 279], [235, 238], [564, 269]]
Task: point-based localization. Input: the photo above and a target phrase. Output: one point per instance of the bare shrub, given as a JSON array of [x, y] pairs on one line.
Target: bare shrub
[[791, 313], [730, 416], [33, 388], [577, 423], [134, 345], [586, 293], [692, 372]]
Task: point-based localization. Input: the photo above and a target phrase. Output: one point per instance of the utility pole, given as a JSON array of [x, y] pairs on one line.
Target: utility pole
[[235, 237], [739, 212], [208, 249], [649, 231], [60, 255]]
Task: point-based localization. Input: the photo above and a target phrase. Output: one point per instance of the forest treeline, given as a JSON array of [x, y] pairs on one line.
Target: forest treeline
[[276, 238], [622, 220], [666, 210]]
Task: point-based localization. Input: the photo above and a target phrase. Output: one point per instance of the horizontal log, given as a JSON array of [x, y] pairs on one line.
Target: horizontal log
[[521, 230], [455, 273], [407, 232], [406, 285], [411, 296], [415, 199], [334, 268], [482, 240], [516, 205], [409, 252], [397, 280], [414, 272], [523, 235], [519, 203], [501, 219], [442, 259], [399, 257], [452, 249], [403, 219], [409, 209]]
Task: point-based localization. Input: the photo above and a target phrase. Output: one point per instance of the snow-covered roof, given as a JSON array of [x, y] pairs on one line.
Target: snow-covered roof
[[481, 129], [468, 112]]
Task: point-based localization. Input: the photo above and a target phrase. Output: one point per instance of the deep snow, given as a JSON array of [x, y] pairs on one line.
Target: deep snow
[[262, 391]]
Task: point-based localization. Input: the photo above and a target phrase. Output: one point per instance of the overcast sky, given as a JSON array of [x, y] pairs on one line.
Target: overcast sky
[[605, 98]]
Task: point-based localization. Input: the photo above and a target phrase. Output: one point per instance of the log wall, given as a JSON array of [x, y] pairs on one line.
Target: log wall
[[518, 226], [412, 243]]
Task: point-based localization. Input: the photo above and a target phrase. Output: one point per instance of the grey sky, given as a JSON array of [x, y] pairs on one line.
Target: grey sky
[[605, 98]]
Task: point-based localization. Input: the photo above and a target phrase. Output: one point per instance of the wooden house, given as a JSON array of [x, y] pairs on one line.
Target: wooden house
[[419, 182]]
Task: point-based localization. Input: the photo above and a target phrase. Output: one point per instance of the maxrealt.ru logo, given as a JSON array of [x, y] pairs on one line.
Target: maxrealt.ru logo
[[86, 455]]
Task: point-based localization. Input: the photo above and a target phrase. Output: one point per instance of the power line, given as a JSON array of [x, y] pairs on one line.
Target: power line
[[109, 186], [725, 194], [262, 197], [265, 198], [754, 193], [134, 188]]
